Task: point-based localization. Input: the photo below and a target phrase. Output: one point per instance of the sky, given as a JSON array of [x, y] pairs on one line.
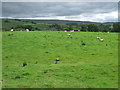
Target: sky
[[75, 11]]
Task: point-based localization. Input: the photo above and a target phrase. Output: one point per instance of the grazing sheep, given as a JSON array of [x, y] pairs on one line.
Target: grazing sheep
[[101, 40], [27, 30], [69, 34], [97, 37], [65, 31], [11, 30], [57, 60]]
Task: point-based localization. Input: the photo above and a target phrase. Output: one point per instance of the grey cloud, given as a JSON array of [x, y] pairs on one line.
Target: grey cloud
[[51, 9]]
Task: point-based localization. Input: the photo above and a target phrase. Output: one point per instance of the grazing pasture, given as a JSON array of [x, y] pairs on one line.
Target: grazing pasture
[[85, 62]]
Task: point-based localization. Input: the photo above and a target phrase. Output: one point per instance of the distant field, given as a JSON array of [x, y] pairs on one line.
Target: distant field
[[85, 62]]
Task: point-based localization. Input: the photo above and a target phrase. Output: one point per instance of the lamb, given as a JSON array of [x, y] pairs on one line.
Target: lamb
[[11, 30]]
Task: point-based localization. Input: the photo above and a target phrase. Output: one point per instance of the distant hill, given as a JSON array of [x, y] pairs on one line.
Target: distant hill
[[54, 24], [58, 21], [55, 21]]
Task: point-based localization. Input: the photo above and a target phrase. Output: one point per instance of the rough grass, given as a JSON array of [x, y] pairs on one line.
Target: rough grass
[[85, 62]]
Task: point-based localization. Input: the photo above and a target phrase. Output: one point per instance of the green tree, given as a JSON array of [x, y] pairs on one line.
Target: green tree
[[56, 26], [93, 28], [116, 27], [6, 21], [83, 27], [105, 27], [70, 27]]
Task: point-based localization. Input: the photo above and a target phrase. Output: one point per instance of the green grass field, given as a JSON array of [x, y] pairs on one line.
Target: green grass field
[[92, 65]]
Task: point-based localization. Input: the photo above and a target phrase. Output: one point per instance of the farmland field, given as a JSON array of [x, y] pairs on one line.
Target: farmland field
[[85, 62]]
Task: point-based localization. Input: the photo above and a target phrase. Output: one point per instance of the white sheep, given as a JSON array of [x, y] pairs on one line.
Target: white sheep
[[69, 34], [11, 30], [97, 37], [65, 31], [101, 40], [27, 30]]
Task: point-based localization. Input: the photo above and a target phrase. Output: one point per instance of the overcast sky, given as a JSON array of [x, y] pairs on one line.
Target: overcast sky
[[78, 11]]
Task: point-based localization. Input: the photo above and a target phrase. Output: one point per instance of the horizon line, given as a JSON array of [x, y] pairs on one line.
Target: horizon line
[[59, 20]]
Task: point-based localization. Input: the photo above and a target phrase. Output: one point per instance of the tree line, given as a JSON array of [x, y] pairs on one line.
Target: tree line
[[92, 27]]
